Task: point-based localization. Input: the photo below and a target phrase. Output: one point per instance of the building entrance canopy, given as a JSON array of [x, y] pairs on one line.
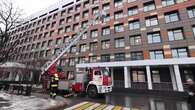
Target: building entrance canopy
[[176, 61]]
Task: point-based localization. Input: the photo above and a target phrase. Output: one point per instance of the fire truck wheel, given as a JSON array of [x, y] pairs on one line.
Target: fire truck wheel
[[92, 92]]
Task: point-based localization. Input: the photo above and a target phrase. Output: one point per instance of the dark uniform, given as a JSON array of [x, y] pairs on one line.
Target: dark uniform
[[54, 85], [192, 97]]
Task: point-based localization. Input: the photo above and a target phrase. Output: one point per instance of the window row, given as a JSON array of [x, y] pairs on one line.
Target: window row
[[135, 55], [148, 6]]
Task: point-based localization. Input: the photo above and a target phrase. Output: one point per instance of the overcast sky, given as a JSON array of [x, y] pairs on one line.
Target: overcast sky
[[32, 6]]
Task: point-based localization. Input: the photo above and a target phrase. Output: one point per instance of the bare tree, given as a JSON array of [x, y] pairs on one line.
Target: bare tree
[[10, 16]]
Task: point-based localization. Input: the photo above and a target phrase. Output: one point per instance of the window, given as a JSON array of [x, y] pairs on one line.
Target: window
[[118, 3], [81, 60], [46, 34], [175, 34], [85, 14], [76, 27], [43, 44], [86, 4], [53, 24], [171, 17], [134, 25], [149, 6], [191, 12], [105, 58], [119, 56], [78, 7], [76, 17], [70, 10], [60, 31], [93, 59], [188, 74], [61, 22], [94, 33], [106, 31], [133, 11], [63, 12], [56, 51], [119, 42], [151, 21], [66, 39], [118, 14], [168, 2], [49, 43], [49, 18], [106, 18], [71, 61], [95, 10], [156, 76], [95, 1], [139, 76], [156, 54], [93, 46], [95, 22], [42, 54], [84, 24], [83, 48], [154, 37], [58, 41], [119, 27], [84, 36], [179, 53], [193, 29], [73, 49], [37, 46], [105, 44], [69, 19], [135, 40], [68, 29], [137, 56], [106, 6]]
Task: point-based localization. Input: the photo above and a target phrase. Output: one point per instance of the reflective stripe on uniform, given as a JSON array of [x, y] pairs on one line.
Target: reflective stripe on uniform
[[53, 94], [56, 78], [54, 85]]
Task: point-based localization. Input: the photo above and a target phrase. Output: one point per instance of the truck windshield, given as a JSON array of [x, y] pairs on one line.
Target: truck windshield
[[105, 72]]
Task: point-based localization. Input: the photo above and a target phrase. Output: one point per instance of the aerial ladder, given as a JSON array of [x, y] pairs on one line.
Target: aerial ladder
[[93, 81], [72, 41]]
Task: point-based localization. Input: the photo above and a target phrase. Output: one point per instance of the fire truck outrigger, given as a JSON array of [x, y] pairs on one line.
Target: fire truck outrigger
[[93, 81]]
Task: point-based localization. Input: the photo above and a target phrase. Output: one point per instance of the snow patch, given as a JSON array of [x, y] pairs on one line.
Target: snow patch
[[18, 102]]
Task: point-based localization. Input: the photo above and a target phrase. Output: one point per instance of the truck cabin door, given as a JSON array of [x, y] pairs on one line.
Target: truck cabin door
[[97, 77]]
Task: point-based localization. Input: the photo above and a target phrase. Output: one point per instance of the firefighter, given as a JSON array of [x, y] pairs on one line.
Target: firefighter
[[54, 85]]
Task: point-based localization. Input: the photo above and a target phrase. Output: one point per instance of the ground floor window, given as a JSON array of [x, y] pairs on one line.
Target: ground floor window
[[188, 75], [156, 76], [139, 76], [159, 105]]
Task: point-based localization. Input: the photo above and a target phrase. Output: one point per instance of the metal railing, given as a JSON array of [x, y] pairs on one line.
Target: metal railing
[[119, 84], [163, 86], [139, 85]]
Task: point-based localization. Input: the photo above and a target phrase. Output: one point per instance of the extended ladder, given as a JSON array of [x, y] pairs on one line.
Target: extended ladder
[[73, 42]]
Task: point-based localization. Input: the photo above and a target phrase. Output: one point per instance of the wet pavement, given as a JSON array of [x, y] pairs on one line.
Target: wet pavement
[[4, 103], [134, 101]]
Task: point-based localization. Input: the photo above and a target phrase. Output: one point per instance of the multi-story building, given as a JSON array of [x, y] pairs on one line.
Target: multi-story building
[[147, 44]]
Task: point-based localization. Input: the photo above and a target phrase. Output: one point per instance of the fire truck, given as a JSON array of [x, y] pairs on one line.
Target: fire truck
[[92, 81]]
